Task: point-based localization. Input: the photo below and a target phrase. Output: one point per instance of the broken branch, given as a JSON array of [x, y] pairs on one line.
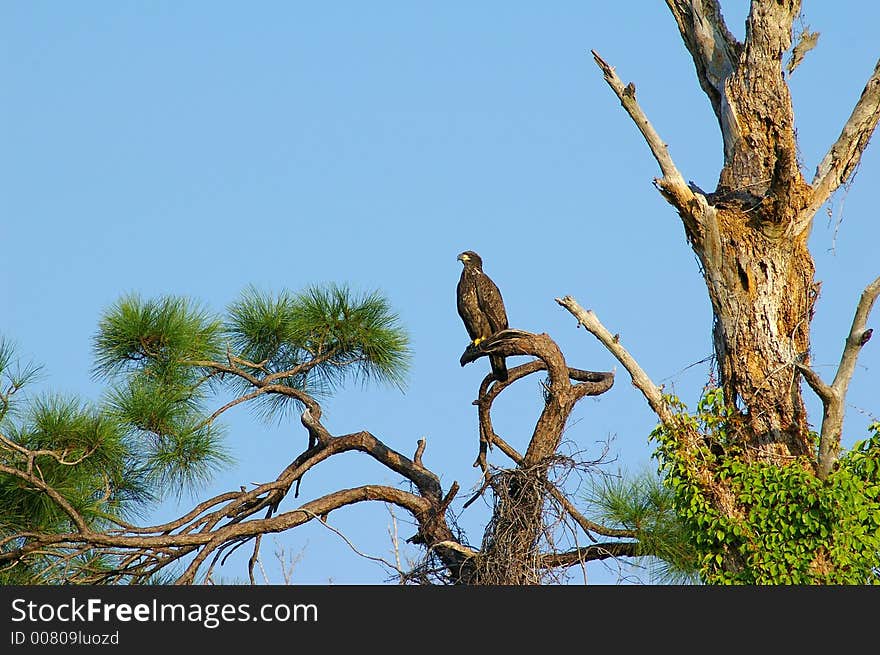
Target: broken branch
[[842, 159], [640, 379]]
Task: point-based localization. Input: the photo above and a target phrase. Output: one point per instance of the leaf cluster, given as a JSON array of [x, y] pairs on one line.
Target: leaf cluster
[[152, 352], [645, 506], [316, 340], [754, 522]]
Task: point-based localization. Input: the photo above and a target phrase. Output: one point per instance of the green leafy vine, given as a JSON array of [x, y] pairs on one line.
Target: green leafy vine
[[754, 522]]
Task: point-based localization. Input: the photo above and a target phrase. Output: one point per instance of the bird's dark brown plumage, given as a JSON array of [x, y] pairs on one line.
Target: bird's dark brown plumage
[[481, 307]]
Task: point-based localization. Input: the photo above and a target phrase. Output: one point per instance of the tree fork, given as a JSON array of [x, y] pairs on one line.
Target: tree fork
[[511, 544]]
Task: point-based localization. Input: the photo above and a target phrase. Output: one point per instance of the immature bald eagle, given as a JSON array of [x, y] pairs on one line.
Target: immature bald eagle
[[481, 307]]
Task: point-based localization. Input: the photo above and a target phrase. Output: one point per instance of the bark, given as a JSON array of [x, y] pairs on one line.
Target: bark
[[762, 295], [834, 394]]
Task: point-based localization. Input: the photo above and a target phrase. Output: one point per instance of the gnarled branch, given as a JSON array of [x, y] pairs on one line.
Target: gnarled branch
[[696, 213], [672, 184], [227, 521], [561, 395]]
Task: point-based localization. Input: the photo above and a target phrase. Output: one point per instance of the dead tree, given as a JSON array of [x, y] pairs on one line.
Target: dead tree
[[750, 233], [750, 238]]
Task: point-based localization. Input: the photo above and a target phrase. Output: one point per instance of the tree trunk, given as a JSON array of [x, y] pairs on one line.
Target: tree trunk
[[760, 280], [510, 551], [759, 273], [762, 293]]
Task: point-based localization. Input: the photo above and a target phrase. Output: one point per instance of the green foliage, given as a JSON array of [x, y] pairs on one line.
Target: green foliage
[[359, 331], [77, 434], [82, 454], [644, 505], [14, 375], [154, 354], [757, 523], [154, 336], [318, 338]]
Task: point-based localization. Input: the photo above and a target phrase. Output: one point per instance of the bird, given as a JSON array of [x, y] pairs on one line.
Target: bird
[[481, 307]]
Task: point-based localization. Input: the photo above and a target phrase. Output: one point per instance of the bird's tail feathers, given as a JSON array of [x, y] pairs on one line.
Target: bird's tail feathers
[[499, 368]]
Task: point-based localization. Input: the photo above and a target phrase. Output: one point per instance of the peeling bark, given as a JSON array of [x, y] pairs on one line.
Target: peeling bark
[[762, 297]]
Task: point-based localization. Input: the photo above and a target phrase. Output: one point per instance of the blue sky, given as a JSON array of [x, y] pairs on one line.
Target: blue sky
[[197, 148]]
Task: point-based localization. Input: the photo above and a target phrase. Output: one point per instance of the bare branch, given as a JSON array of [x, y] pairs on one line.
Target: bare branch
[[714, 50], [232, 403], [589, 554], [673, 184], [311, 420], [825, 393], [640, 379], [833, 396], [489, 390], [255, 557], [548, 430], [210, 541], [183, 520], [519, 342], [844, 156], [692, 206], [420, 449], [427, 482], [400, 572], [508, 342], [806, 42], [218, 524], [594, 384], [832, 419], [857, 337]]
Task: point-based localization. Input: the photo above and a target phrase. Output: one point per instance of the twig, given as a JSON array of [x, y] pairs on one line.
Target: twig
[[395, 541], [352, 546], [420, 449], [255, 557]]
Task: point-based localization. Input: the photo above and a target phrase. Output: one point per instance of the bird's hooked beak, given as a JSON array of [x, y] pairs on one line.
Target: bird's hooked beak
[[462, 257]]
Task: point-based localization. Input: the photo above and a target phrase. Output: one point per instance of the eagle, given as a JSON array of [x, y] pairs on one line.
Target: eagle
[[481, 307]]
